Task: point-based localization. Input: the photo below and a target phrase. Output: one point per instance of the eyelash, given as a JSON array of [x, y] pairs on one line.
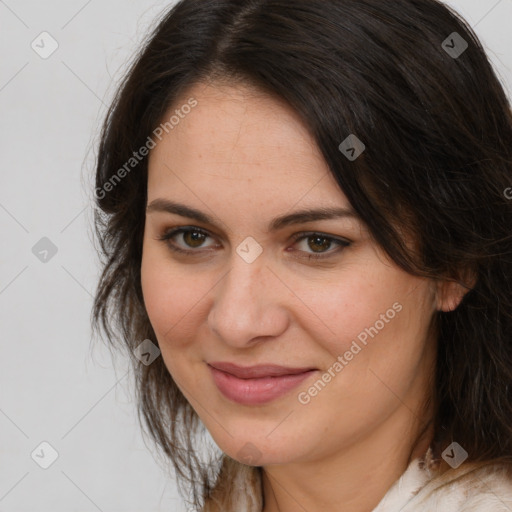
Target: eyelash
[[168, 235]]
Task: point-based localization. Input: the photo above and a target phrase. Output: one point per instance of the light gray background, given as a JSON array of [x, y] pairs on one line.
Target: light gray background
[[55, 384]]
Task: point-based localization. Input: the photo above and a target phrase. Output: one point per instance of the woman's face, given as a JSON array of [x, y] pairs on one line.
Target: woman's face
[[351, 322]]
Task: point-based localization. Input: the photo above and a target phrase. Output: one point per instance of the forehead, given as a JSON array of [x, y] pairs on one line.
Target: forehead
[[243, 146]]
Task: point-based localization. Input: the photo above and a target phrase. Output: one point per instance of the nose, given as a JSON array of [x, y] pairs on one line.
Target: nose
[[248, 304]]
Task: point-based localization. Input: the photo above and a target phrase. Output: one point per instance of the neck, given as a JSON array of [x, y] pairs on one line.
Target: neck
[[355, 478]]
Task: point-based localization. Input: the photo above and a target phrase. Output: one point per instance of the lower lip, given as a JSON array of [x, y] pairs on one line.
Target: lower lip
[[256, 391]]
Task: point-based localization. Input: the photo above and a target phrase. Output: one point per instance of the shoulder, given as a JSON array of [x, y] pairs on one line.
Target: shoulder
[[472, 489], [469, 488]]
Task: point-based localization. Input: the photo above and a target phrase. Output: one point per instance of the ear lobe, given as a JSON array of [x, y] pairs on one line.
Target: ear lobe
[[449, 293]]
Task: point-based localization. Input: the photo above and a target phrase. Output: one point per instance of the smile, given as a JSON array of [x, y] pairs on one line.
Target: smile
[[258, 384]]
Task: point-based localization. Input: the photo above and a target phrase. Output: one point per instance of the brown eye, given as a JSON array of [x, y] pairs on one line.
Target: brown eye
[[194, 238], [319, 244]]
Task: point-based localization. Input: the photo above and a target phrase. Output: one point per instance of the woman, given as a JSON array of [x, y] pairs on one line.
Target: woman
[[303, 212]]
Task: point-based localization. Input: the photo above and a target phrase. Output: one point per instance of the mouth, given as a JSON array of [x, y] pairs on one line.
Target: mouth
[[259, 384], [258, 371]]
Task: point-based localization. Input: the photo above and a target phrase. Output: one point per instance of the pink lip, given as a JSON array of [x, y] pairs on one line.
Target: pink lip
[[256, 384]]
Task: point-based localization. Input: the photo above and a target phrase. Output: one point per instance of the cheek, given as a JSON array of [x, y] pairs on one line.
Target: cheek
[[173, 298], [373, 317], [378, 350], [341, 308], [173, 301]]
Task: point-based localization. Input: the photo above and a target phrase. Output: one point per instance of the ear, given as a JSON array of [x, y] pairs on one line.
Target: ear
[[450, 292]]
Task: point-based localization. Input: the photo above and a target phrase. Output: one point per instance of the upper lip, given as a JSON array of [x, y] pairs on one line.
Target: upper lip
[[257, 371]]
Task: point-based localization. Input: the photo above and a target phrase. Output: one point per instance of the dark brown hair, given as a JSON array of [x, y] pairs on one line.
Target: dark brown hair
[[438, 134]]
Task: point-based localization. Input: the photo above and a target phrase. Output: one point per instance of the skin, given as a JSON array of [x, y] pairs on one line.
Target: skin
[[244, 158]]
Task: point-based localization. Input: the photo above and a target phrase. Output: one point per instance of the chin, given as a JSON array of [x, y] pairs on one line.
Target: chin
[[257, 448]]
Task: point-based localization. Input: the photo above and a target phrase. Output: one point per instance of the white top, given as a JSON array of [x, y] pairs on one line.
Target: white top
[[465, 489], [421, 488]]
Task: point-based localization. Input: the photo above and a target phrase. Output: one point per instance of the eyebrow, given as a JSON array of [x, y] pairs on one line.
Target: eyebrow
[[298, 217]]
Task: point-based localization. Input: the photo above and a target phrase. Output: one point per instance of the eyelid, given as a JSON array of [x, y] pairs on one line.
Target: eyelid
[[306, 234]]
